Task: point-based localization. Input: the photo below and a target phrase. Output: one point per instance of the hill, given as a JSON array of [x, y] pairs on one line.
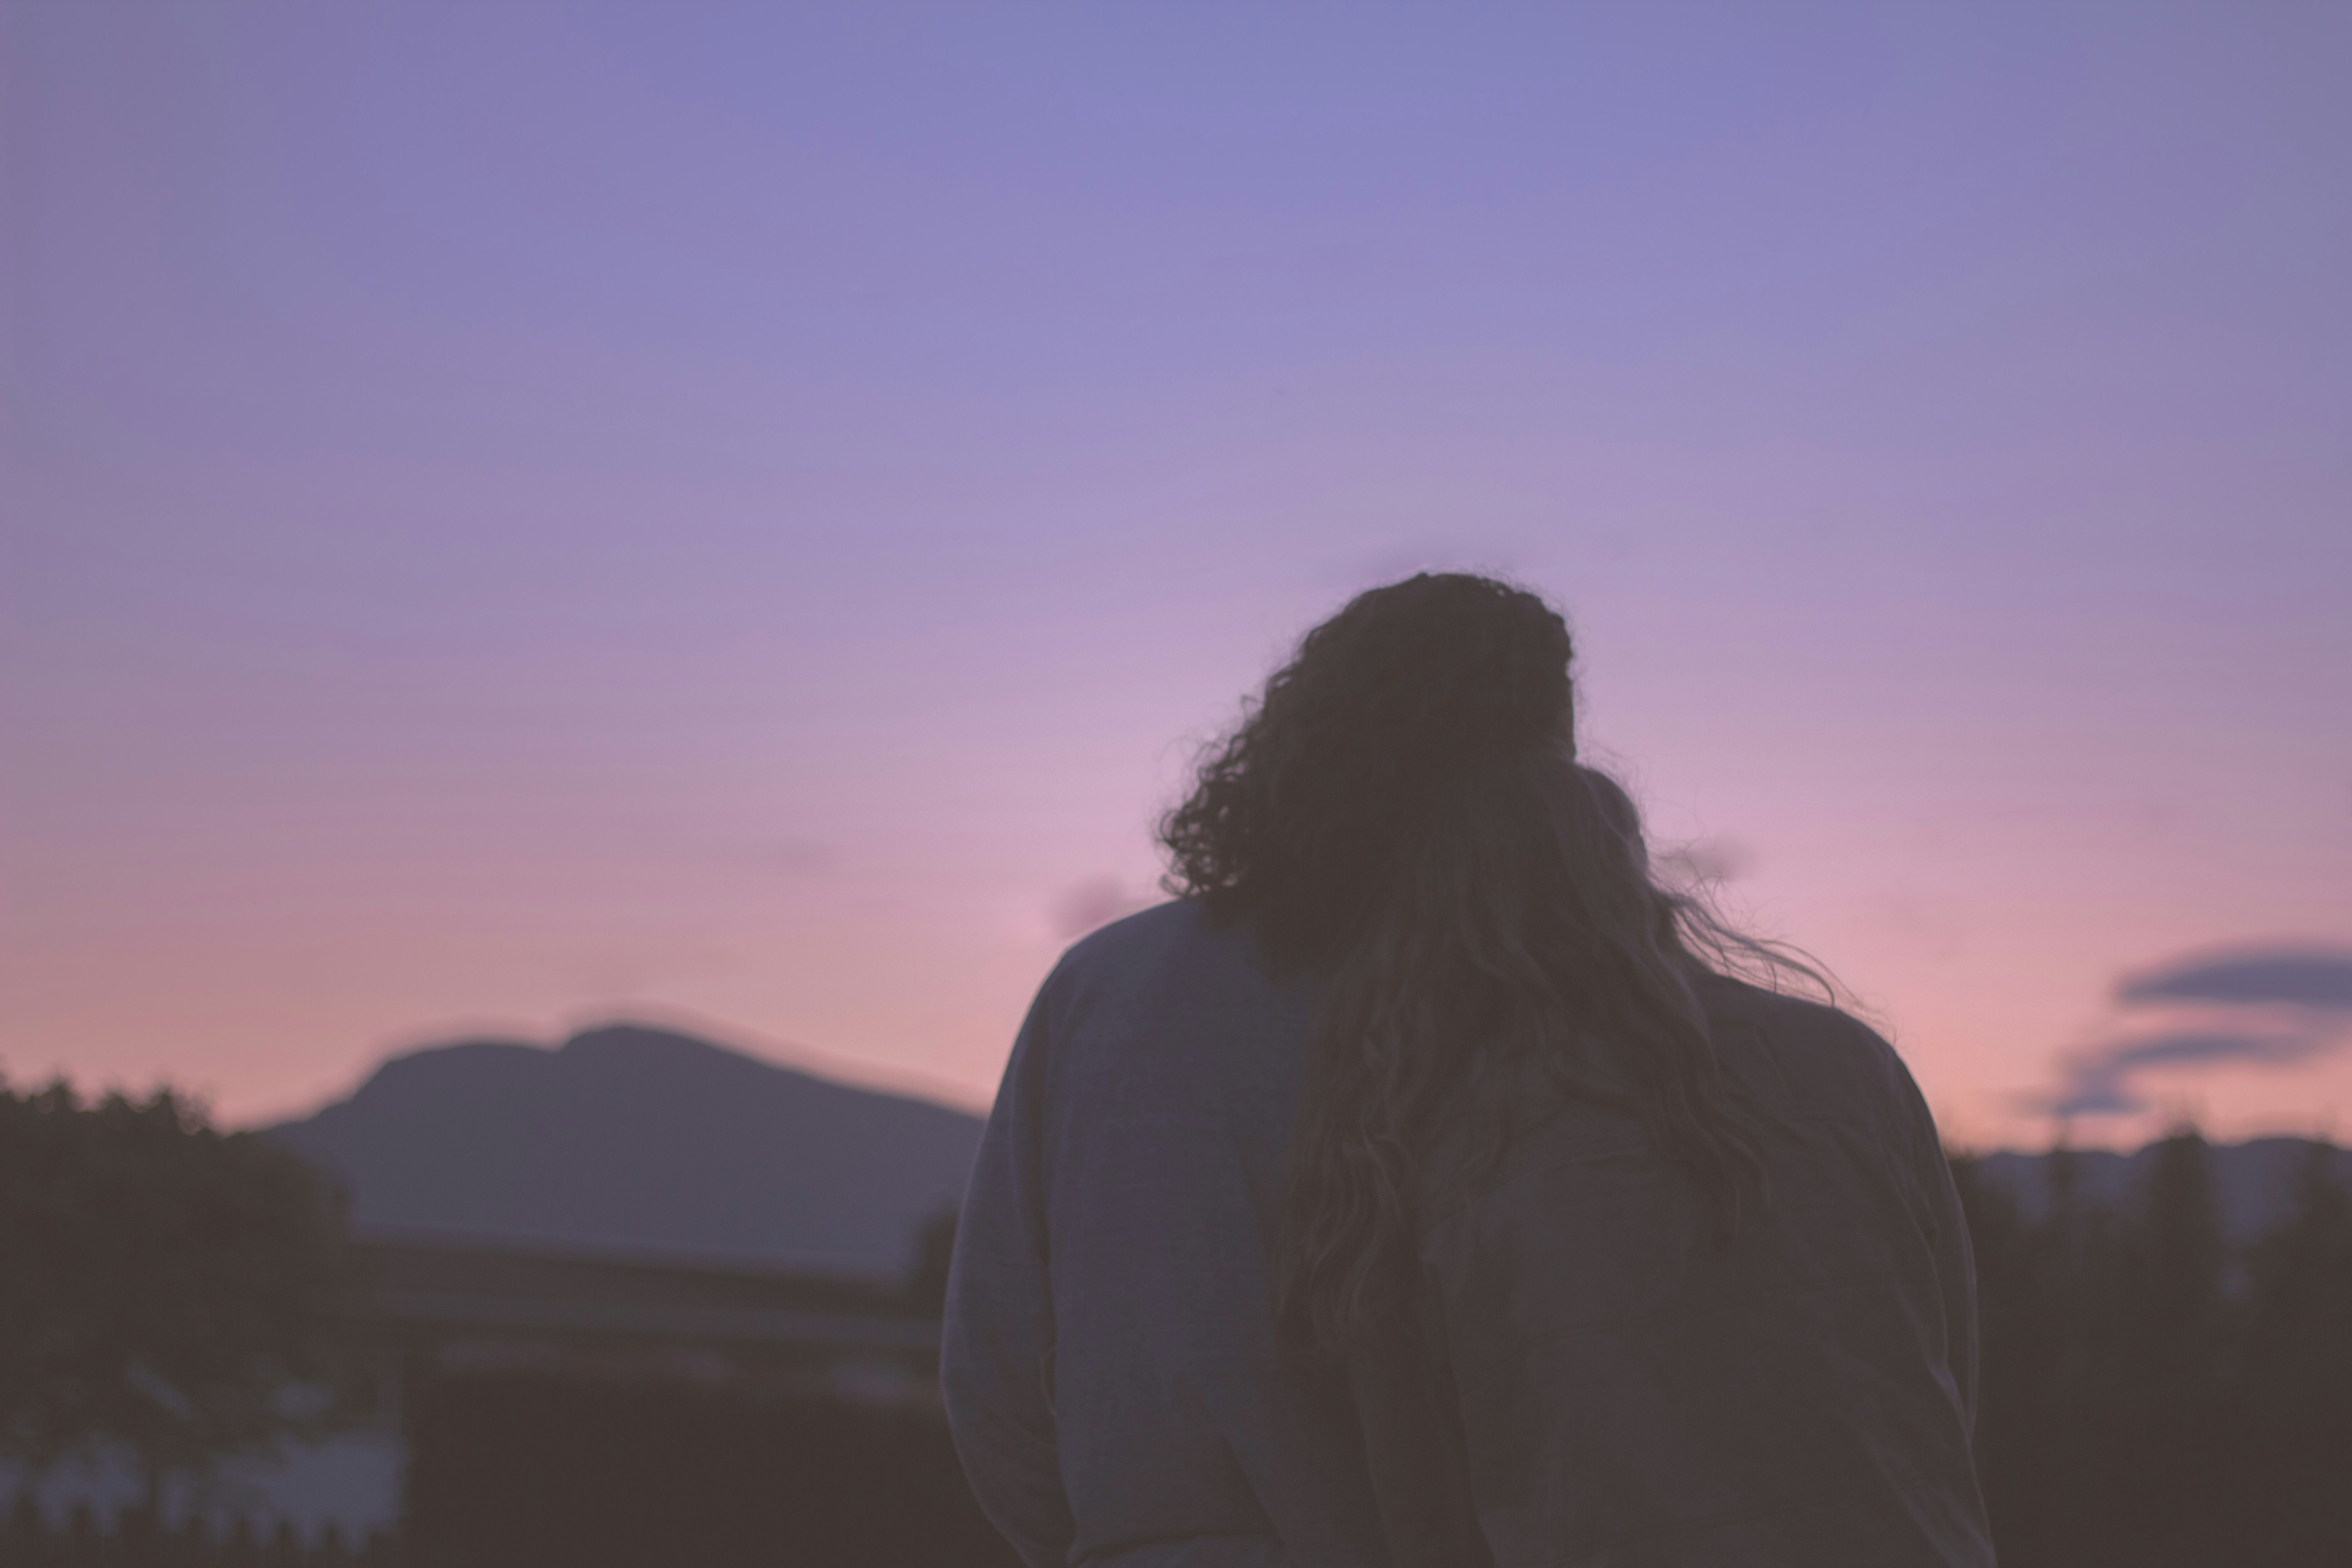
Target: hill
[[626, 1136], [637, 1137]]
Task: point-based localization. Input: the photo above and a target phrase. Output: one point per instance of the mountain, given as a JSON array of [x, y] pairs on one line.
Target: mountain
[[632, 1137], [2253, 1181], [635, 1137]]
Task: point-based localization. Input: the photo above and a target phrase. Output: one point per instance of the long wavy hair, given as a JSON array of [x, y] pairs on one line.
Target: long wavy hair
[[1401, 813]]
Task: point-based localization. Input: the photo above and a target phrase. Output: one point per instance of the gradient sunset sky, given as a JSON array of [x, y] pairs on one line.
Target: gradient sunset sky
[[513, 516]]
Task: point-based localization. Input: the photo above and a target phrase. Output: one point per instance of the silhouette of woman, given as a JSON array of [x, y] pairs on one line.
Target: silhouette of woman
[[1426, 1185]]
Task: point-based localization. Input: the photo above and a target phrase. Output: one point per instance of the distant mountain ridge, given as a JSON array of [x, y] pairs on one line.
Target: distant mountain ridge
[[630, 1136]]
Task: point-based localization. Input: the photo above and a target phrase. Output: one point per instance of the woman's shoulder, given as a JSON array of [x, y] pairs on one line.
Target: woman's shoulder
[[1125, 935], [1803, 1055], [1818, 1023], [1171, 944]]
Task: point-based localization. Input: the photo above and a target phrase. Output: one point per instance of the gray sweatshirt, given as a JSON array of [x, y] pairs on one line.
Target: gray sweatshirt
[[1592, 1384]]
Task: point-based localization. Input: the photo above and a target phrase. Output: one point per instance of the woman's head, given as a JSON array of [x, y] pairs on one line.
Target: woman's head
[[1401, 813], [1385, 714]]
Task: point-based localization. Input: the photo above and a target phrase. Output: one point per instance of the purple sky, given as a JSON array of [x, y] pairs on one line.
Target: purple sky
[[515, 515]]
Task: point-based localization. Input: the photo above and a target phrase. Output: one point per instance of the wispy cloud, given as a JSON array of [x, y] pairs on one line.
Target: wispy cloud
[[1097, 901], [2309, 977], [794, 857], [2098, 1081], [2273, 1007], [1722, 858]]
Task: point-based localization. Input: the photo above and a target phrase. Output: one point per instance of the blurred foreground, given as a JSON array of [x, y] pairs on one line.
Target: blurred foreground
[[201, 1363]]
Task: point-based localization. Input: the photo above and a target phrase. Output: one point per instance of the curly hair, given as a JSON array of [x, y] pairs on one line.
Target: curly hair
[[1402, 814]]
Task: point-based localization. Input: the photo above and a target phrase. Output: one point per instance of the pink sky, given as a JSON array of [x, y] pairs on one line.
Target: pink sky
[[515, 518]]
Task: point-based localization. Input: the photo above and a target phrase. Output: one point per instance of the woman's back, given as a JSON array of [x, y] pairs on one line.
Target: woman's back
[[1109, 1362], [1631, 1392], [1622, 1391]]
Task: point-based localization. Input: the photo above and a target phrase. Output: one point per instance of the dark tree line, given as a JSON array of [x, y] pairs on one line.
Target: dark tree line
[[2151, 1396], [181, 1293]]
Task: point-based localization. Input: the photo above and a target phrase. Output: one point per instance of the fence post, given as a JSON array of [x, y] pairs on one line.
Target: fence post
[[241, 1550], [29, 1532], [82, 1545], [197, 1548]]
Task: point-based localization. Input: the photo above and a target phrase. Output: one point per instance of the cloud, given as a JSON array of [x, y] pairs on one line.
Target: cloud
[[2294, 977], [2089, 1098], [1722, 858], [2268, 1006], [2098, 1081], [1097, 901], [797, 857]]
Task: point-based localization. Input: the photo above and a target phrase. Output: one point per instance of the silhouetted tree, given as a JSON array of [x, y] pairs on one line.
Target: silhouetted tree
[[184, 1292], [2138, 1407], [2292, 1433], [2016, 1349], [2172, 1354], [2047, 1291]]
